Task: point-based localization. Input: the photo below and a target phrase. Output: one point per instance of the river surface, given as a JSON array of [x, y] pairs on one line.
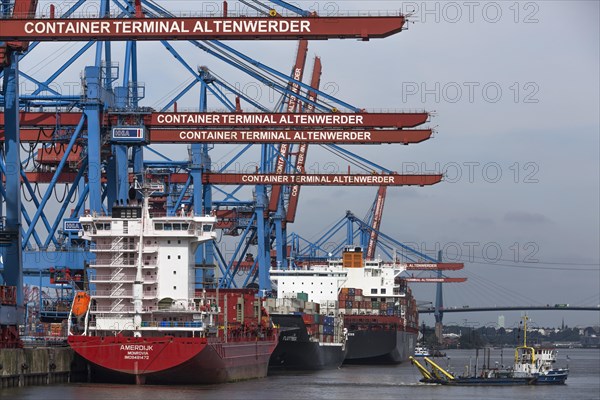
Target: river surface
[[347, 383]]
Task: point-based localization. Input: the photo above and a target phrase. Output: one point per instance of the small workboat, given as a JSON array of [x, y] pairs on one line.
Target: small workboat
[[532, 366]]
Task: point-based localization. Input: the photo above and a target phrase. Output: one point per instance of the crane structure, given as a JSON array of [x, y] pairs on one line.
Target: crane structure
[[377, 216], [360, 231], [64, 154]]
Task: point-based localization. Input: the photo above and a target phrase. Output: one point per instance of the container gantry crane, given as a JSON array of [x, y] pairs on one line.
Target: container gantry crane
[[101, 146]]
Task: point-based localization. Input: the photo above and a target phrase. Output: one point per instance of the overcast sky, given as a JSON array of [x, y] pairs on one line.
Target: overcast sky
[[514, 88]]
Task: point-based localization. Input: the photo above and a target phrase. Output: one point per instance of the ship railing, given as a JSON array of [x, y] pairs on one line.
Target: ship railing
[[117, 305], [112, 308], [111, 293], [178, 307], [119, 247], [172, 324], [117, 274], [118, 290], [121, 277], [117, 241], [109, 264]]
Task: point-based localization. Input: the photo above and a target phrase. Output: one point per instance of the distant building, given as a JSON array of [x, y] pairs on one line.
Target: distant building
[[590, 341], [501, 321]]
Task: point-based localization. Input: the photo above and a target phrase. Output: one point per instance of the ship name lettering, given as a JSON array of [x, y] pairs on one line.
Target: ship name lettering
[[136, 347]]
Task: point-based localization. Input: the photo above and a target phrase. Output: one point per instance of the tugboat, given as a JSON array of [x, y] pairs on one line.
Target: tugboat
[[422, 351], [532, 366], [143, 321]]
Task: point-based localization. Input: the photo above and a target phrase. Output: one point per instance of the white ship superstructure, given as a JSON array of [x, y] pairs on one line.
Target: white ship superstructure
[[323, 283], [145, 270]]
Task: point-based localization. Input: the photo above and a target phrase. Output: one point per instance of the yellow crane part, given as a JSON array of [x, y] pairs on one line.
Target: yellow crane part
[[438, 368], [421, 368]]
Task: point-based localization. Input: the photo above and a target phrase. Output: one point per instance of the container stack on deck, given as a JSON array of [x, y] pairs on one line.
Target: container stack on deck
[[318, 318]]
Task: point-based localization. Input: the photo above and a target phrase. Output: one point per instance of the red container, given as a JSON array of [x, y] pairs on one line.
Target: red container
[[8, 295], [308, 319]]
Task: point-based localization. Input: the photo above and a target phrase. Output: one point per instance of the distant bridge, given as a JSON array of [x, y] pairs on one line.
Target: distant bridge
[[562, 307]]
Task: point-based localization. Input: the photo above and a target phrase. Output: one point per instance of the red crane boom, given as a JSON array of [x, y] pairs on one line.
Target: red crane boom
[[284, 147], [320, 179], [160, 120], [24, 28], [303, 148], [377, 217]]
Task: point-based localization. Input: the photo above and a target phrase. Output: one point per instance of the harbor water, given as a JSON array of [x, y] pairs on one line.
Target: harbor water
[[349, 382]]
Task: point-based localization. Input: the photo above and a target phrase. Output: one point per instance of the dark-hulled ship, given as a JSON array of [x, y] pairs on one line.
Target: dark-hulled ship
[[378, 311], [308, 339]]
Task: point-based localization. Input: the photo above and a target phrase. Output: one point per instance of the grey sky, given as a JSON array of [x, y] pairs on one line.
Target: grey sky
[[541, 133]]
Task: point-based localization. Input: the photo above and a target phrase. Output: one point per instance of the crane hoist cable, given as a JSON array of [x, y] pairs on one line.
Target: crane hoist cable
[[282, 82], [25, 195], [55, 191], [254, 7], [45, 62], [356, 163], [173, 91], [75, 194], [258, 71], [263, 5]]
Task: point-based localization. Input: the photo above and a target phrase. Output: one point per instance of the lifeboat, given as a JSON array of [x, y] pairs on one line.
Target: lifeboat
[[81, 303]]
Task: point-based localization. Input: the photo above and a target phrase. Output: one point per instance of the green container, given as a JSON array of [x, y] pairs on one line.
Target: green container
[[302, 296]]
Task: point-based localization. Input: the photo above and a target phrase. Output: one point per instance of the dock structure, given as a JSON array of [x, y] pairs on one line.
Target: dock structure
[[39, 366]]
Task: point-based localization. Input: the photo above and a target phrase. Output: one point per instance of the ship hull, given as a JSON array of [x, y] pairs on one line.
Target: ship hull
[[310, 356], [295, 350], [171, 360], [379, 347], [482, 381], [556, 377]]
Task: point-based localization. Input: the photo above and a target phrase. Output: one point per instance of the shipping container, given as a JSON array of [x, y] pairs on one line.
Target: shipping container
[[302, 296]]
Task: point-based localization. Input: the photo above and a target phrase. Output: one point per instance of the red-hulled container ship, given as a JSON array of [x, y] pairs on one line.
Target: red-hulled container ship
[[145, 323]]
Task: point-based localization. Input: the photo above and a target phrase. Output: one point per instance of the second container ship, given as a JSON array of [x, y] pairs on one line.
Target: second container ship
[[379, 313]]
